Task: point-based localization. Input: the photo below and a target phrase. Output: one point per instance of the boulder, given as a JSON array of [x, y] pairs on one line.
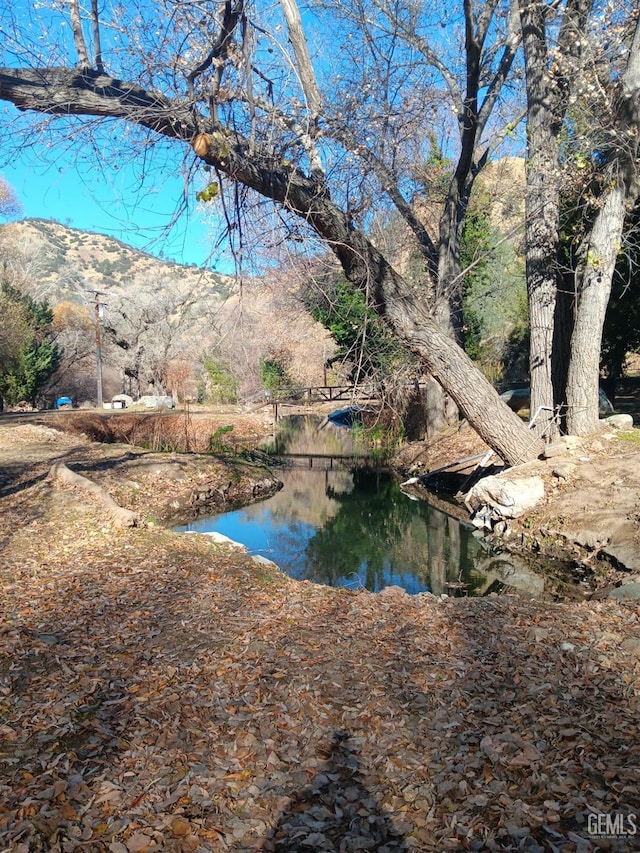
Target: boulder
[[619, 421], [520, 398], [502, 496], [622, 547], [221, 539], [628, 590], [154, 401]]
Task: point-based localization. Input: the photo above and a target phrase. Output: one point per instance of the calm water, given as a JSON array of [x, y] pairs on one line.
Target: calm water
[[352, 527]]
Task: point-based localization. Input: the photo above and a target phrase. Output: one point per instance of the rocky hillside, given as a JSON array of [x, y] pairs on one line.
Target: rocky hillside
[[64, 264], [156, 312]]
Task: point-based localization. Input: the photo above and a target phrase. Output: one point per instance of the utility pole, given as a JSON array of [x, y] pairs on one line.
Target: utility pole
[[98, 307]]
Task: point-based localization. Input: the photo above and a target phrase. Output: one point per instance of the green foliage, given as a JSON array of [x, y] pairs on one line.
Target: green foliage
[[362, 336], [516, 351], [28, 354], [379, 442], [621, 333], [216, 443], [209, 192], [222, 384], [108, 267], [274, 370], [434, 173], [494, 301], [631, 436]]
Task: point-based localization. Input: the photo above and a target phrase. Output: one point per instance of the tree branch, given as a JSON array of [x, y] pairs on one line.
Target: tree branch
[[62, 91], [78, 35]]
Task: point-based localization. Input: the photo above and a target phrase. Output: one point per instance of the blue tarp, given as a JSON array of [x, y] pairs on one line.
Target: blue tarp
[[63, 401], [345, 417]]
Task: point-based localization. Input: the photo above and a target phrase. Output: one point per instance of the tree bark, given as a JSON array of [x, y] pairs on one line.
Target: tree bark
[[120, 516], [593, 298], [601, 250], [66, 92], [548, 82], [542, 213]]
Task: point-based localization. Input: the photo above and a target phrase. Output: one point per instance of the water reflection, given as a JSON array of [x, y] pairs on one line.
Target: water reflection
[[379, 537], [357, 529], [338, 524]]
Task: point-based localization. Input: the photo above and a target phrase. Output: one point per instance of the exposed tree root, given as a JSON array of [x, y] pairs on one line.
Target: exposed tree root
[[120, 516]]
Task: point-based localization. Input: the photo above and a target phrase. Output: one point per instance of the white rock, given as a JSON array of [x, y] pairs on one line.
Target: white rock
[[505, 497], [221, 539], [620, 421], [263, 561]]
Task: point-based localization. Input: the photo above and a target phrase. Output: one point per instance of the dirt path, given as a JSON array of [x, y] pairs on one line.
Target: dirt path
[[160, 692]]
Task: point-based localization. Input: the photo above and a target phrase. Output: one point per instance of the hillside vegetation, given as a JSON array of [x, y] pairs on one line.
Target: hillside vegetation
[[165, 327]]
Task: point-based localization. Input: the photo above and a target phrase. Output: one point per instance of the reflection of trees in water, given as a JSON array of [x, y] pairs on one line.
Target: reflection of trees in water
[[376, 531], [361, 535], [307, 496], [335, 812], [366, 529], [302, 434]]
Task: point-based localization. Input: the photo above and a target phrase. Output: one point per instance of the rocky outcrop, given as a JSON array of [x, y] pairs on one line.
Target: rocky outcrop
[[210, 498]]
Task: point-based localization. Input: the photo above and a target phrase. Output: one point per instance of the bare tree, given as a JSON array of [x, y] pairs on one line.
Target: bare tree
[[576, 50], [620, 182], [9, 204], [222, 80], [143, 336]]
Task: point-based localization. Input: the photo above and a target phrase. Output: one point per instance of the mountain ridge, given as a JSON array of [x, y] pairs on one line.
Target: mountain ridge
[[158, 311]]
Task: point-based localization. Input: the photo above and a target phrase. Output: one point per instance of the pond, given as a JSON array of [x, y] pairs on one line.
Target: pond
[[338, 523]]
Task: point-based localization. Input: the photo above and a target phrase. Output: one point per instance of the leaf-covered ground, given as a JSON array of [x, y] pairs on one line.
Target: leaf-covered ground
[[158, 692]]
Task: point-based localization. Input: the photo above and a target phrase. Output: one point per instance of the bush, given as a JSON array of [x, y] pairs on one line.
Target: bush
[[28, 354]]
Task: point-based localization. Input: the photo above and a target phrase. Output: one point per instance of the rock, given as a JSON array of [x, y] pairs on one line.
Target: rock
[[587, 538], [263, 561], [155, 401], [520, 398], [620, 421], [538, 634], [623, 547], [505, 497], [627, 590], [221, 539], [563, 471], [514, 572], [556, 448]]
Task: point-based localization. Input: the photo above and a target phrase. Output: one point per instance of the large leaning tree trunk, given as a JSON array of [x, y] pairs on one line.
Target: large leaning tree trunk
[[600, 250], [90, 93]]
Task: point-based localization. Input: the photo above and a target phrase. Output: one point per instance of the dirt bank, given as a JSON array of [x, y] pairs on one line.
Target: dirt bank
[[591, 508], [161, 692]]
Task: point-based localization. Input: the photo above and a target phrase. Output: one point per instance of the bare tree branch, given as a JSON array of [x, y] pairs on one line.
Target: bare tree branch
[[78, 35]]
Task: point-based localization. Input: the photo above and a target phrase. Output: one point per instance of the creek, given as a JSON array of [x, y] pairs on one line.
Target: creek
[[340, 522]]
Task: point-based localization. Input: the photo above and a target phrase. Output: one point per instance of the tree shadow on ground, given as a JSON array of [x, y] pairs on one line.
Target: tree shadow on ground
[[335, 811], [16, 477]]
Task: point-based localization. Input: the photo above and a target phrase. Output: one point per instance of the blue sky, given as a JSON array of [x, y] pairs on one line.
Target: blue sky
[[118, 202], [134, 202]]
